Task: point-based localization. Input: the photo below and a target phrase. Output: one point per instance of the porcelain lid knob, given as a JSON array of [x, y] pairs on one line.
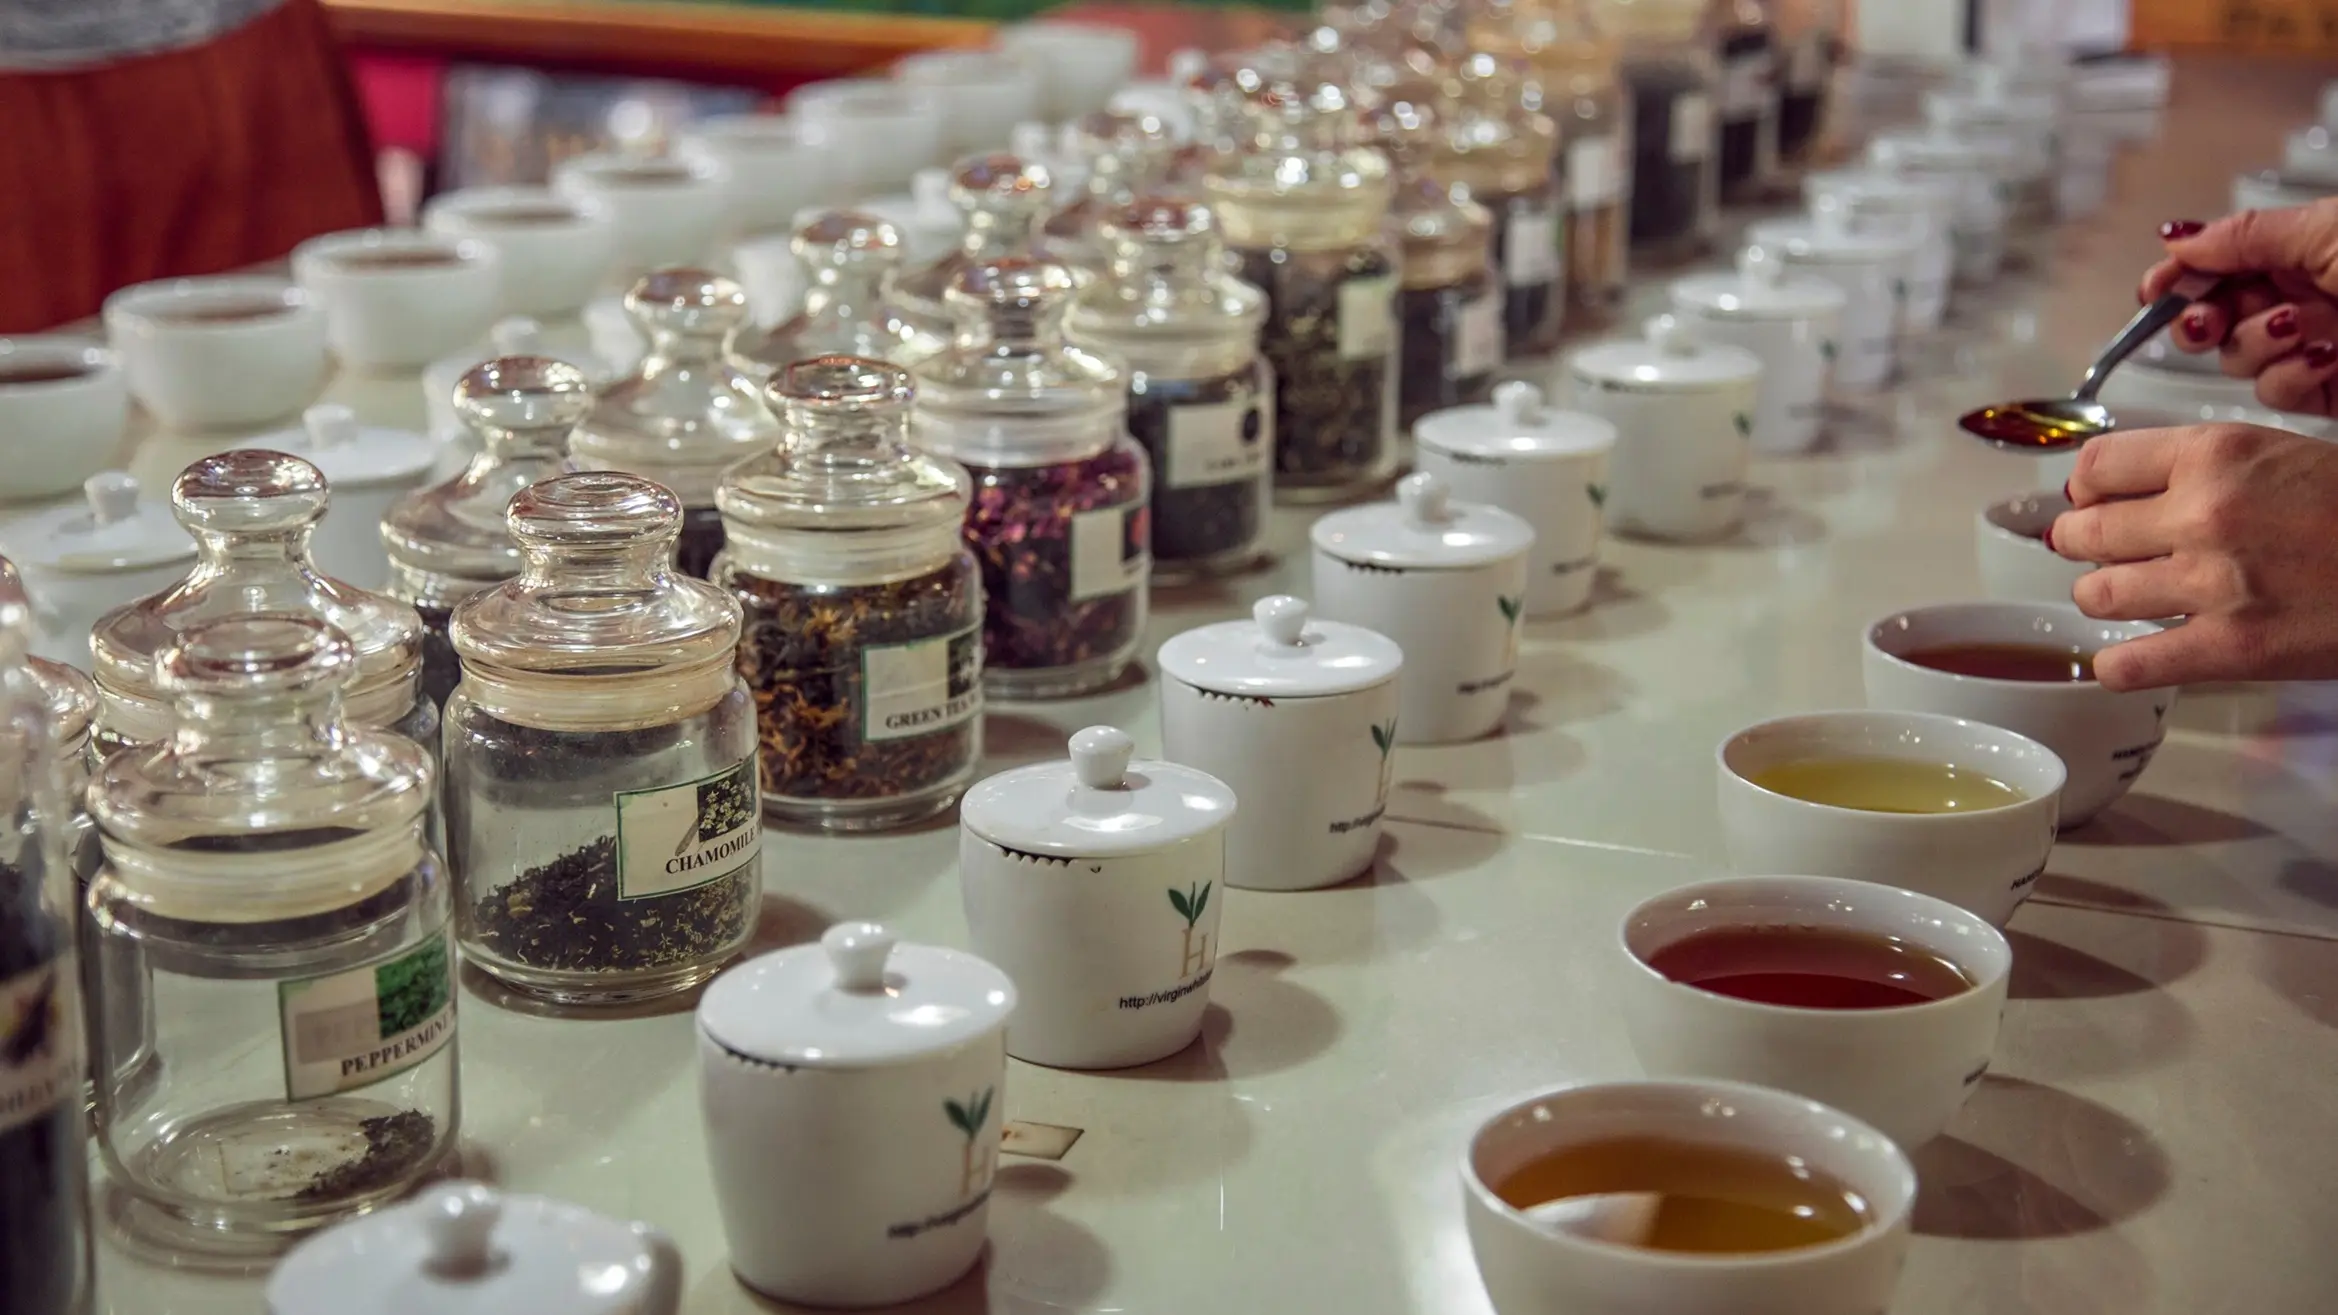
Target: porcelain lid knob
[[929, 191], [1425, 501], [1830, 215], [1517, 402], [459, 1222], [1100, 757], [517, 336], [112, 495], [1671, 336], [1282, 618], [1031, 139], [1760, 266], [329, 424], [858, 952]]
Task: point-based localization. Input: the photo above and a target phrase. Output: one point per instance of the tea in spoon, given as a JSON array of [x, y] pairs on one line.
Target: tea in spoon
[[2053, 424]]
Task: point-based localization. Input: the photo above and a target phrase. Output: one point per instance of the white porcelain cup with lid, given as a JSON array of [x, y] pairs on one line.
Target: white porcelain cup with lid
[[1298, 715], [1870, 268], [1683, 410], [219, 353], [1793, 324], [396, 299], [82, 561], [64, 405], [666, 209], [1978, 219], [1079, 65], [1904, 1068], [1542, 464], [1446, 580], [2016, 565], [555, 251], [471, 1249], [776, 166], [2106, 738], [1919, 210], [368, 469], [877, 132], [1096, 884], [983, 93], [1559, 1259], [853, 1093]]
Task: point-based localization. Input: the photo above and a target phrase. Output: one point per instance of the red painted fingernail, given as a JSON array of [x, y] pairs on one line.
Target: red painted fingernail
[[2196, 324], [2321, 354], [2066, 490], [2048, 536], [2282, 323], [2177, 229]]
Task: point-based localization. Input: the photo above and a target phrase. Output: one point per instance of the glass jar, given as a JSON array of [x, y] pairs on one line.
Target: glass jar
[[1748, 106], [44, 1186], [601, 814], [686, 414], [848, 257], [449, 541], [863, 638], [268, 863], [1304, 206], [1497, 150], [1199, 394], [1005, 199], [251, 513], [1128, 156], [1059, 523], [1668, 69], [1810, 32], [1449, 312]]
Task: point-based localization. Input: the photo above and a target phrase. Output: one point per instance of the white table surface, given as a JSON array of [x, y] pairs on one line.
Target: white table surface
[[2159, 1132]]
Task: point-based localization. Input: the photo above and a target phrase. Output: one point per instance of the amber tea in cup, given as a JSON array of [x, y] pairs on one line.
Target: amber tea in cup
[[1886, 785], [1807, 967], [2002, 661], [1668, 1194], [42, 372], [373, 258], [523, 216], [220, 312]]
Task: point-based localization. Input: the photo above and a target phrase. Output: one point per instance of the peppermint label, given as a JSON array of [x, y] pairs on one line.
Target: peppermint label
[[1108, 552], [1477, 338], [1367, 318], [1216, 443], [1595, 172], [922, 686], [676, 837], [1692, 129], [40, 1042], [1530, 257], [361, 1026]]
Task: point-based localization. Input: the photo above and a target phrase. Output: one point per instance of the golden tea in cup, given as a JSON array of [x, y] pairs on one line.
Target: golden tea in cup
[[1669, 1194], [1886, 785], [1998, 661]]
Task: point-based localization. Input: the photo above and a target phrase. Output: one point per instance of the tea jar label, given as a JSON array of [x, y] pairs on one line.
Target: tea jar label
[[1595, 171], [1477, 338], [360, 1026], [1745, 86], [1808, 66], [1530, 251], [1217, 442], [40, 1042], [921, 686], [676, 837], [1367, 317], [1108, 551], [1692, 129]]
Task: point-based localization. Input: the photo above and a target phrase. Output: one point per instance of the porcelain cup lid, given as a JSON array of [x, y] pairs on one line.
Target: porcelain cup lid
[[112, 529], [1423, 529], [352, 455], [1101, 803], [1829, 236], [1759, 289], [861, 998], [1520, 425], [1670, 358], [1281, 652], [469, 1249]]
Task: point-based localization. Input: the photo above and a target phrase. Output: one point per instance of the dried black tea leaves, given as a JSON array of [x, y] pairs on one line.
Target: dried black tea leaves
[[1209, 444], [1672, 144], [1450, 345], [1063, 550], [566, 915], [701, 539], [41, 1245], [395, 1146], [1327, 334]]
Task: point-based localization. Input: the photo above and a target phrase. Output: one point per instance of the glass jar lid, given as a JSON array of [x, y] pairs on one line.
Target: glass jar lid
[[848, 257], [861, 998], [251, 513], [1127, 152], [1011, 391], [685, 414], [1101, 803], [111, 529], [1423, 529], [843, 498], [1167, 303], [1005, 198], [1653, 20], [1519, 426], [1281, 652], [71, 698], [1669, 357], [1496, 141], [597, 631], [264, 804], [448, 541], [1759, 289], [1303, 178]]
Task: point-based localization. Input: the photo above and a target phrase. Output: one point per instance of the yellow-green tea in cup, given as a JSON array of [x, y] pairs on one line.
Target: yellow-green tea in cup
[[1886, 785], [1669, 1194]]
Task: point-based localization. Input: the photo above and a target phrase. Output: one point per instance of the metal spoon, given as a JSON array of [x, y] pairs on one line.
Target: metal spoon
[[2054, 424]]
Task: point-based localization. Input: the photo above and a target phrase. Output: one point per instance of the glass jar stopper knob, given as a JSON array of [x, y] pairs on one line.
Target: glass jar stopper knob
[[1425, 501], [459, 1222], [858, 952], [1282, 618], [840, 382], [265, 653], [523, 394], [250, 490], [694, 302], [593, 506], [1100, 757], [838, 237]]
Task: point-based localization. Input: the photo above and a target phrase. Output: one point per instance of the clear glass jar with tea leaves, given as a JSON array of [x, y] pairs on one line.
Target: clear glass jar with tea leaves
[[1200, 397], [1128, 155], [1059, 523], [1494, 147], [1005, 198], [850, 258], [44, 1184], [1450, 332], [449, 541], [1810, 37], [686, 414], [1667, 63], [1304, 206], [269, 863], [862, 644], [601, 811], [1746, 43]]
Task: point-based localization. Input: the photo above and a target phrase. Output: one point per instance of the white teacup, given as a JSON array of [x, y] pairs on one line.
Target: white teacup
[[2105, 739], [1986, 860], [983, 94], [219, 353], [1531, 1267], [556, 251], [1079, 65], [396, 300], [879, 132], [63, 407], [1907, 1070], [2016, 564], [667, 210], [776, 167]]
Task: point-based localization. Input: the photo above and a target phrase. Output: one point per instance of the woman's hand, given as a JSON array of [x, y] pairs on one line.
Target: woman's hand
[[2232, 526], [2277, 321]]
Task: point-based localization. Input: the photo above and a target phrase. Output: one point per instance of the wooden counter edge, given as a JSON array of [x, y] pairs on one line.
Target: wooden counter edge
[[692, 39]]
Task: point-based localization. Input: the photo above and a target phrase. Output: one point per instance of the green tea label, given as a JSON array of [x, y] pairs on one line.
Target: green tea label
[[354, 1028], [921, 686], [1367, 318], [1216, 443], [679, 836], [40, 1042]]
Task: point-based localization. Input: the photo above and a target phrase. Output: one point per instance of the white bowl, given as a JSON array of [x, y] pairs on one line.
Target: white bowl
[[219, 353], [879, 132], [1079, 65], [1533, 1268], [2105, 739], [2016, 564], [1906, 1070], [395, 299], [556, 251], [776, 166], [63, 407], [983, 94], [668, 210], [1985, 861]]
